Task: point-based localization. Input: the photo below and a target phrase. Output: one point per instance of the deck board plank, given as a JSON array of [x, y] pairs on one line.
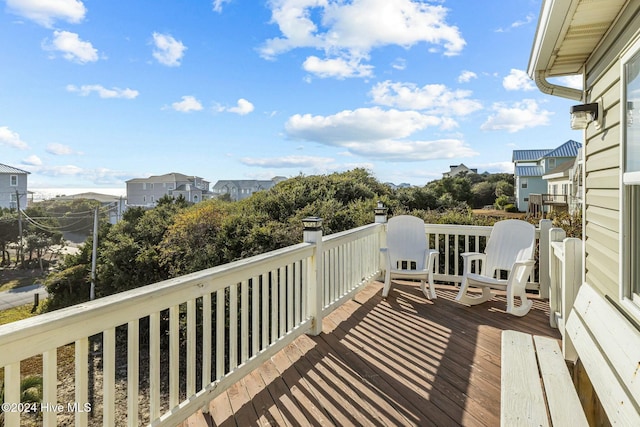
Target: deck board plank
[[404, 361]]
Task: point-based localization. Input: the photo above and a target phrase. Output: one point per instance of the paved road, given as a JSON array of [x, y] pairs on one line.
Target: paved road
[[21, 296]]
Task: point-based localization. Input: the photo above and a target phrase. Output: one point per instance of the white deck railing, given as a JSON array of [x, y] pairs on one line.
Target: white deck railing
[[452, 240], [218, 325], [565, 270]]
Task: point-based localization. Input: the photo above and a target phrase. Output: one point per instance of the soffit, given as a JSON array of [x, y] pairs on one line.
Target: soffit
[[568, 32]]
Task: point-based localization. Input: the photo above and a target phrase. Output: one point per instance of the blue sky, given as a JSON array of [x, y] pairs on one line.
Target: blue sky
[[93, 93]]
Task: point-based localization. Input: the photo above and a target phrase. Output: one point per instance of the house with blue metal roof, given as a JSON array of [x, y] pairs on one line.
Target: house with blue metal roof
[[530, 166], [13, 187]]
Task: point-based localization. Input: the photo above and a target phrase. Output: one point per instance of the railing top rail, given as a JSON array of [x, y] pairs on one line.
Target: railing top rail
[[472, 229], [336, 239], [50, 330]]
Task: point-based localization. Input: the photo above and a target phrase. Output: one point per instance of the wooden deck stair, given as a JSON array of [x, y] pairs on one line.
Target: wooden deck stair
[[400, 361]]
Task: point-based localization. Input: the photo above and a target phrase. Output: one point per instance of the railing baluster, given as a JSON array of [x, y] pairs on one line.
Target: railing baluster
[[282, 305], [265, 310], [255, 315], [174, 356], [82, 378], [290, 302], [274, 306], [206, 339], [304, 288], [220, 328], [191, 347], [108, 377], [154, 365], [12, 393], [233, 326], [244, 321], [49, 385], [133, 335]]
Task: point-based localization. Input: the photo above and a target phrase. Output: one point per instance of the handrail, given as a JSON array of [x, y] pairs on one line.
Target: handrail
[[234, 317]]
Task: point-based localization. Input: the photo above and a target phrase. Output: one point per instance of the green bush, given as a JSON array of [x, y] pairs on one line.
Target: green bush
[[510, 208]]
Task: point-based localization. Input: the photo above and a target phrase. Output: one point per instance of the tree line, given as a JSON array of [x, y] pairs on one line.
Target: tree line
[[176, 238]]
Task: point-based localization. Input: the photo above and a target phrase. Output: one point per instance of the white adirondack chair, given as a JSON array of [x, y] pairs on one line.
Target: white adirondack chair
[[510, 247], [408, 255]]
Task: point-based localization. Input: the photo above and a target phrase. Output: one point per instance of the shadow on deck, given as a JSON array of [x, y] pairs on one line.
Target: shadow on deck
[[400, 361]]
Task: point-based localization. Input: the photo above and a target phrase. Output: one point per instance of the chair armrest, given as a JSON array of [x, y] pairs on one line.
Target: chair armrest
[[472, 256], [468, 258], [521, 271]]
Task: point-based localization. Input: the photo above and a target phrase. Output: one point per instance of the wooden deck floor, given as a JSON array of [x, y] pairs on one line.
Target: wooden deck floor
[[400, 361]]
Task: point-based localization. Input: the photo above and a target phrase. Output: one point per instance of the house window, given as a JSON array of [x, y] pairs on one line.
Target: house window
[[552, 164], [630, 232], [524, 182], [13, 180]]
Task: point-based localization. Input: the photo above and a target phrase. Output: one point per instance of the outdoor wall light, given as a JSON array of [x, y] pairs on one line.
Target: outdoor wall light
[[583, 114], [380, 209], [312, 223]]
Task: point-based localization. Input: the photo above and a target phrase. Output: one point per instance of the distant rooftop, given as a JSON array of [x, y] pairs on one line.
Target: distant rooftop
[[529, 171], [529, 155], [10, 169], [568, 149]]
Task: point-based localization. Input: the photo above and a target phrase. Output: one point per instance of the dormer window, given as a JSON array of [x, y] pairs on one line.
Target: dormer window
[[552, 164]]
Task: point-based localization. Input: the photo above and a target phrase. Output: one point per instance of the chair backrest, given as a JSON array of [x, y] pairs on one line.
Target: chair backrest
[[407, 240], [511, 240]]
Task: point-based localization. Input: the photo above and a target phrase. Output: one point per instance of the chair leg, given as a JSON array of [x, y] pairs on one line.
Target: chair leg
[[430, 293], [387, 284], [525, 303], [464, 298]]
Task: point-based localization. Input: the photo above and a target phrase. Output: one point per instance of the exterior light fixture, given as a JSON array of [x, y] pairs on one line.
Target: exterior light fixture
[[380, 209], [583, 114], [380, 213], [312, 223]]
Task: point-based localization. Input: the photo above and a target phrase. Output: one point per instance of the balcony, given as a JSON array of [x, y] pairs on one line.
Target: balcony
[[538, 203], [296, 336]]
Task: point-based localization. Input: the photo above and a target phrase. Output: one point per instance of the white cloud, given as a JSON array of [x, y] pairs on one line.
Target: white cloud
[[45, 12], [11, 139], [60, 149], [399, 64], [243, 107], [350, 30], [435, 98], [571, 81], [217, 5], [168, 51], [98, 176], [188, 103], [103, 92], [466, 76], [496, 167], [519, 23], [521, 115], [32, 160], [288, 162], [376, 133], [72, 48], [336, 67], [518, 80], [363, 124]]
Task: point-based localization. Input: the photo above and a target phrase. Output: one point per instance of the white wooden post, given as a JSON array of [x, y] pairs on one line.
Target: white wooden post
[[555, 273], [381, 218], [544, 250], [571, 281], [313, 234]]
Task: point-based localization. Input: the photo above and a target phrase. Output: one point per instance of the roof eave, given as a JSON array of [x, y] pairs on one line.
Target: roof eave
[[553, 16]]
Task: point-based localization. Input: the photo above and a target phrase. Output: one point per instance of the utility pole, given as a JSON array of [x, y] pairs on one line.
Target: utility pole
[[20, 249], [92, 292]]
